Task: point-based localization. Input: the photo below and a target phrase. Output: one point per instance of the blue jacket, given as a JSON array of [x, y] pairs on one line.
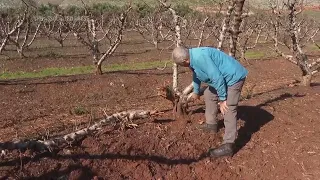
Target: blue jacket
[[215, 68]]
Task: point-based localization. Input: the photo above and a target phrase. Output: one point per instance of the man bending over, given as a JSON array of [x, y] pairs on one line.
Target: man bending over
[[225, 77]]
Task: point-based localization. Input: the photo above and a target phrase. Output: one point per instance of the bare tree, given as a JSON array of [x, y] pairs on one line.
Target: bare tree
[[252, 29], [178, 41], [202, 27], [55, 29], [20, 30], [9, 26], [21, 39], [180, 97], [201, 30], [150, 27], [231, 24], [97, 30], [289, 25]]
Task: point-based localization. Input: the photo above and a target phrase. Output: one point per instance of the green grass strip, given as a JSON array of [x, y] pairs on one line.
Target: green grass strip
[[82, 70], [255, 55]]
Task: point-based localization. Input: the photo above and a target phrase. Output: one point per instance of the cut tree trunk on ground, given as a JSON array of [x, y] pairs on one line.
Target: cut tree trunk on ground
[[49, 144], [306, 80]]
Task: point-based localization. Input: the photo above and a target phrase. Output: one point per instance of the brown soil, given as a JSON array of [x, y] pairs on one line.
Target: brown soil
[[278, 128]]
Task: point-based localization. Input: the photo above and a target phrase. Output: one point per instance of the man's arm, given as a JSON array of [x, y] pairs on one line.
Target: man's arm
[[196, 83]]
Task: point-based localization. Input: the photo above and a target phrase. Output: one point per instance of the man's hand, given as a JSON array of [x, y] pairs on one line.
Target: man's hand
[[223, 107], [194, 97]]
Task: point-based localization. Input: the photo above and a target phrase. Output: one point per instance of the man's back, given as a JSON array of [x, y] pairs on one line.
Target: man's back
[[203, 60]]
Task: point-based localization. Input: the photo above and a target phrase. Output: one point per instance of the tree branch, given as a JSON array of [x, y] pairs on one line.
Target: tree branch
[[49, 144]]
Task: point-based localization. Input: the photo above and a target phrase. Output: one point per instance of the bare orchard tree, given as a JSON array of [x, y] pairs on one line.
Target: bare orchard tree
[[252, 29], [199, 31], [231, 23], [150, 26], [180, 98], [229, 28], [204, 25], [10, 25], [55, 29], [178, 41], [96, 32], [22, 37], [288, 31]]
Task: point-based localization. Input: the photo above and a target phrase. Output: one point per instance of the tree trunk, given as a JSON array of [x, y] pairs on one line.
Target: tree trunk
[[3, 44], [20, 52], [225, 25], [306, 80], [236, 27], [61, 43], [98, 69], [175, 77], [178, 43], [156, 45]]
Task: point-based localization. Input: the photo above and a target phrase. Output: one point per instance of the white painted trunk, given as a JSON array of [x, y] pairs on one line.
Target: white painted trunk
[[203, 26], [122, 117], [114, 45], [225, 25], [95, 44], [3, 44], [34, 35], [175, 77]]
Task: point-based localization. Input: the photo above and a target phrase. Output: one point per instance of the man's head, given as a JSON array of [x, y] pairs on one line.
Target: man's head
[[180, 55]]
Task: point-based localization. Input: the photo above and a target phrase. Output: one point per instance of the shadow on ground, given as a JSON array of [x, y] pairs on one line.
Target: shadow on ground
[[254, 118]]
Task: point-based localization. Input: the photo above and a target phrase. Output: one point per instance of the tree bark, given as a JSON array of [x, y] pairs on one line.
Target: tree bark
[[306, 80], [49, 144], [178, 42], [298, 57], [98, 69], [236, 26], [225, 25]]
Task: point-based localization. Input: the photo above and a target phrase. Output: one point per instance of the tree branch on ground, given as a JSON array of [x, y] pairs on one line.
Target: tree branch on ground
[[61, 141]]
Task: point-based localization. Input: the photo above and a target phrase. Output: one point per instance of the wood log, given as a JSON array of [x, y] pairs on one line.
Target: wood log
[[49, 144]]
